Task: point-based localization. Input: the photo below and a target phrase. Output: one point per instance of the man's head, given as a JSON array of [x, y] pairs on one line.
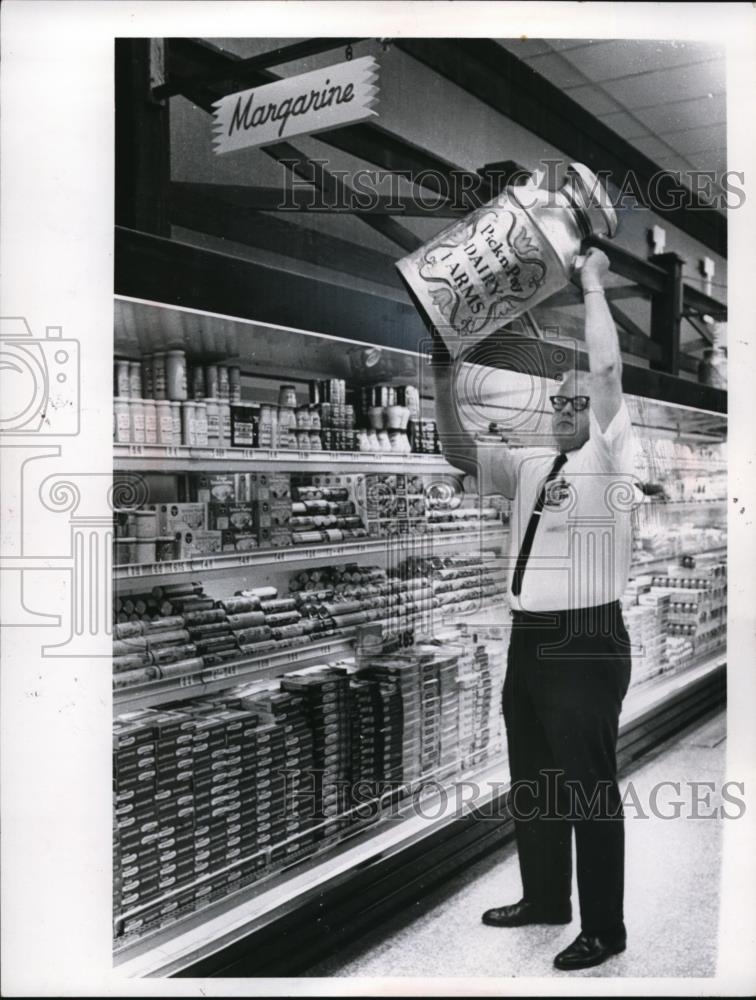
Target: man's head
[[571, 424]]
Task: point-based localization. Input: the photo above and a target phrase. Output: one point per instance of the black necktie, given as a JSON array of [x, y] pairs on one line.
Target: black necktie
[[527, 542]]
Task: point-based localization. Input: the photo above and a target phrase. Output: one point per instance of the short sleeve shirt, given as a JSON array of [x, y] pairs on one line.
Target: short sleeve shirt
[[581, 552]]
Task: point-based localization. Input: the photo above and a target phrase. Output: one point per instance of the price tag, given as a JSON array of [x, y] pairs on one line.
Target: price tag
[[279, 556], [219, 453], [245, 560], [218, 673], [304, 456], [171, 452], [136, 449], [248, 453], [189, 680]]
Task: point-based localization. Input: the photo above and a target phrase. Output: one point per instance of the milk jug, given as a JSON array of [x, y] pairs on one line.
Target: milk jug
[[488, 268]]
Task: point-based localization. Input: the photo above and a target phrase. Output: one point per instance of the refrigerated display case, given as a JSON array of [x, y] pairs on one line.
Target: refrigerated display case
[[374, 659]]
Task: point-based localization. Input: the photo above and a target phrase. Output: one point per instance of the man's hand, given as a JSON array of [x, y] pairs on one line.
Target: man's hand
[[594, 270]]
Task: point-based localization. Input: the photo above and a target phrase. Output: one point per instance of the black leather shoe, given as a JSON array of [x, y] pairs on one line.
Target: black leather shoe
[[588, 950], [523, 913]]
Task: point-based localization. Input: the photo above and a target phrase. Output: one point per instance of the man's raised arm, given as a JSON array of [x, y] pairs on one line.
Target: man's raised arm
[[490, 463], [601, 340]]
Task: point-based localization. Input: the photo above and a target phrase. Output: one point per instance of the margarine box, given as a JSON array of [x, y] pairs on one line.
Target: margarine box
[[280, 513], [212, 487], [263, 537], [176, 517], [192, 543], [236, 515], [173, 724], [234, 541], [240, 517], [261, 516], [259, 486], [279, 487], [217, 516], [128, 734]]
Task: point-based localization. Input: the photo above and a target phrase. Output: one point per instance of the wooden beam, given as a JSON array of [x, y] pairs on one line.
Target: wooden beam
[[163, 270], [249, 68], [369, 141], [700, 329], [502, 174], [649, 278], [571, 294], [633, 339], [498, 78], [339, 199], [334, 189], [205, 213], [704, 305], [142, 140], [666, 313], [620, 292], [629, 265]]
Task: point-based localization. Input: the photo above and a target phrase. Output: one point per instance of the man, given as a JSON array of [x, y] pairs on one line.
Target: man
[[568, 665]]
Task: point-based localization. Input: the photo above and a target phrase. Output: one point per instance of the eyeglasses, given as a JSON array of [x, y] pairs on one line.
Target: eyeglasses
[[578, 402]]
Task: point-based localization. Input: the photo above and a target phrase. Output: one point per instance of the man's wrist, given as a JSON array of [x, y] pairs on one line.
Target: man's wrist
[[593, 288]]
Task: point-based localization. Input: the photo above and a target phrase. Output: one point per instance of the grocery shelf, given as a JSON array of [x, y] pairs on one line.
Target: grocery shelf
[[638, 568], [180, 570], [274, 663], [677, 504], [180, 458], [212, 679], [286, 889], [396, 855]]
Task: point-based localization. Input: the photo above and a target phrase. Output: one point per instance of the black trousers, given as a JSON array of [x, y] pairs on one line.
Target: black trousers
[[567, 674]]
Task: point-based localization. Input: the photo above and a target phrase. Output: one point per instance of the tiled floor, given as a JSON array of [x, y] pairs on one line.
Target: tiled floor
[[671, 897]]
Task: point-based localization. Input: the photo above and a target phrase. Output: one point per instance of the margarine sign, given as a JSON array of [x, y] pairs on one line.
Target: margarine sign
[[310, 102]]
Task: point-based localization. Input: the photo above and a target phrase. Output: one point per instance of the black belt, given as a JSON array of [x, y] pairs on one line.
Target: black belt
[[567, 614]]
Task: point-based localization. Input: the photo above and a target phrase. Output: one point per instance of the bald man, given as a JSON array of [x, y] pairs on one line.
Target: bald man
[[568, 665]]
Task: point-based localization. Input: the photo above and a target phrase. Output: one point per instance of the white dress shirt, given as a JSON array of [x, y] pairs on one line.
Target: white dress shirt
[[582, 548]]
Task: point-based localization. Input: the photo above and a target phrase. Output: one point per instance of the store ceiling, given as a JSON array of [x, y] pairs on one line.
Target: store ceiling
[[667, 98]]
